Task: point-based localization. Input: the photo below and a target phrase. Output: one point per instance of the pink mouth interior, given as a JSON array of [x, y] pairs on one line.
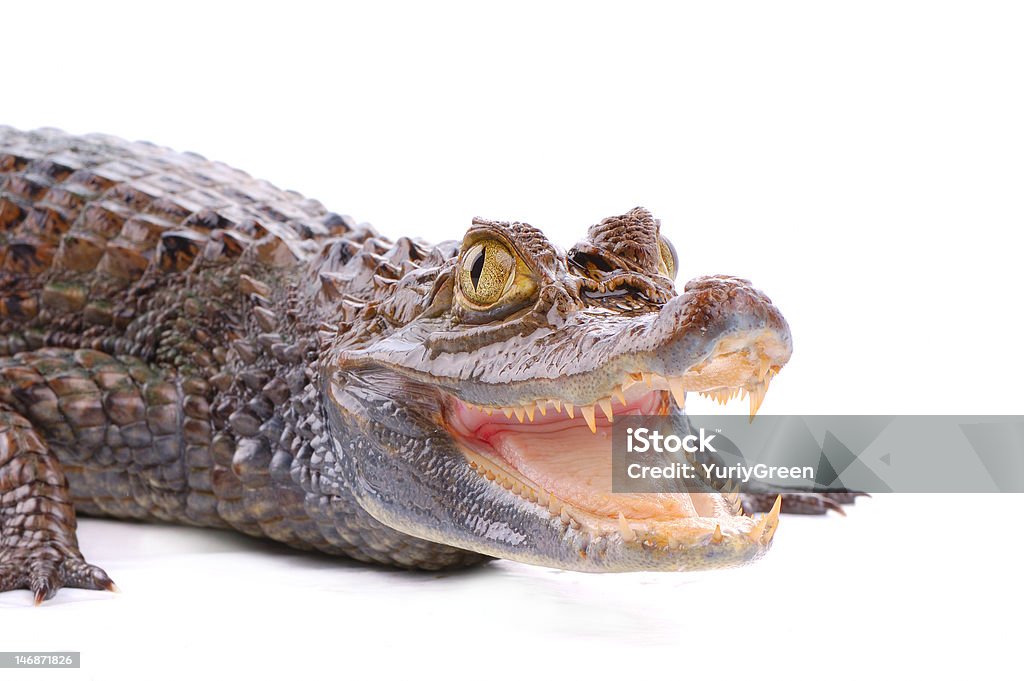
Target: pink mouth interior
[[563, 457]]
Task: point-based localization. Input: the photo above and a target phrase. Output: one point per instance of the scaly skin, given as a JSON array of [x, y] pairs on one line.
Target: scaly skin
[[182, 343]]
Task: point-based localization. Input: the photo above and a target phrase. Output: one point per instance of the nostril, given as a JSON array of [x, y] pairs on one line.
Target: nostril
[[590, 262]]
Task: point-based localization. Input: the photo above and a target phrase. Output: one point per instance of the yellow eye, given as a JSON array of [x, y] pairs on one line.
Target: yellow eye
[[487, 271], [668, 264]]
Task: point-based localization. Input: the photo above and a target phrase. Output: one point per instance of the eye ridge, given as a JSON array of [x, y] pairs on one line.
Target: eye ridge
[[478, 267]]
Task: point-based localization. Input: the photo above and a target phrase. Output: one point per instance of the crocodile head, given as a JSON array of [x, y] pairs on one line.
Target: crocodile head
[[472, 404]]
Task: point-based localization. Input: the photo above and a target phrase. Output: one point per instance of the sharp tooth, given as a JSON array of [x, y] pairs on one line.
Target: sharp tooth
[[520, 413], [756, 398], [558, 405], [617, 393], [771, 521], [716, 538], [766, 366], [564, 515], [588, 414], [507, 411], [488, 410], [530, 409], [675, 385], [555, 506], [606, 407], [625, 530], [570, 409], [765, 527], [648, 378], [542, 407]]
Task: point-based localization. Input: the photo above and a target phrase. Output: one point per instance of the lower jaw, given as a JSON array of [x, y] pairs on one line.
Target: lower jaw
[[570, 538]]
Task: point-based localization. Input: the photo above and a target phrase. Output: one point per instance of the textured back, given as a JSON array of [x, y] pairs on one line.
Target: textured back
[[85, 219]]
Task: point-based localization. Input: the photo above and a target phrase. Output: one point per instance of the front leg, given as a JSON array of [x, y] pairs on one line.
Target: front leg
[[81, 429], [38, 547]]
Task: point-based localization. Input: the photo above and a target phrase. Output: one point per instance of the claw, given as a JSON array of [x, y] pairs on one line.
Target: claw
[[846, 497], [831, 505]]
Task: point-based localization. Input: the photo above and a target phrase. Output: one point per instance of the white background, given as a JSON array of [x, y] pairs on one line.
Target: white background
[[862, 163]]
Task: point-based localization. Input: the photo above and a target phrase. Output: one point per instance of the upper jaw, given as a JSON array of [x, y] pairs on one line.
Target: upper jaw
[[719, 335]]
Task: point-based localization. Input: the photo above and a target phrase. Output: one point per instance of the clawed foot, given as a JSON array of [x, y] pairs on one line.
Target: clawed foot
[[804, 503], [44, 569]]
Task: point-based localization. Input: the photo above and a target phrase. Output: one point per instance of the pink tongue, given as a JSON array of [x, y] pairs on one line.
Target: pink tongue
[[575, 465]]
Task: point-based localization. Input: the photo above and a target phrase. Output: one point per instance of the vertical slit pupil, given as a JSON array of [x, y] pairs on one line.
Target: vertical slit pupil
[[478, 267]]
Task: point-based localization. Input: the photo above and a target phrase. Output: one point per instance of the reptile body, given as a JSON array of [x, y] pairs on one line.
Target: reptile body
[[180, 342]]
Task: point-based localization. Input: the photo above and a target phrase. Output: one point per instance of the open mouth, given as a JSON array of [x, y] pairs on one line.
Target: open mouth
[[557, 454]]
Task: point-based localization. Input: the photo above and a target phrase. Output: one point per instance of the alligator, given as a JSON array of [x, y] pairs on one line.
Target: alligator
[[180, 342]]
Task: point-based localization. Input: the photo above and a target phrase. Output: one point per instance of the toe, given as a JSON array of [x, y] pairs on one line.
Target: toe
[[82, 575]]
